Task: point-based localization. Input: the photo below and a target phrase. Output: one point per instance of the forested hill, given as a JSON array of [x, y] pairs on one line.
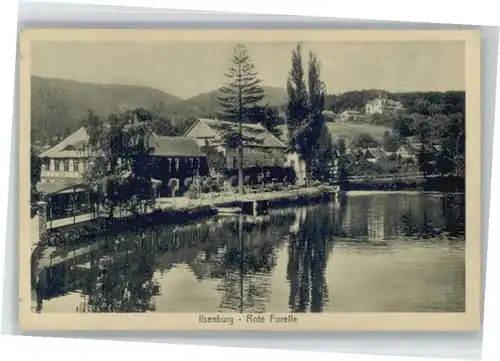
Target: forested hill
[[449, 102], [208, 104], [57, 104]]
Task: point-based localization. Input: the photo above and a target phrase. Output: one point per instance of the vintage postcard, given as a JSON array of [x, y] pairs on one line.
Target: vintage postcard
[[249, 180]]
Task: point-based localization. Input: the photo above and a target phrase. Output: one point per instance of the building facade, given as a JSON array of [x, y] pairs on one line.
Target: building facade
[[382, 105], [260, 147], [294, 161], [349, 115], [67, 160], [64, 165]]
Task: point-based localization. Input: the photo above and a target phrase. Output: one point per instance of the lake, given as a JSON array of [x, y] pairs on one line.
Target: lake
[[371, 252]]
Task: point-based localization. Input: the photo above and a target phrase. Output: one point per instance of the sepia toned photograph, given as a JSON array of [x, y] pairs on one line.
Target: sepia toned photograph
[[250, 180]]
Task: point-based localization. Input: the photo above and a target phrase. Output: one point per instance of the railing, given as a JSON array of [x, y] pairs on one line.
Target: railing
[[413, 175]]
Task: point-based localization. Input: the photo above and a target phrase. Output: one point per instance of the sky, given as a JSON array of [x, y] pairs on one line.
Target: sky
[[186, 69]]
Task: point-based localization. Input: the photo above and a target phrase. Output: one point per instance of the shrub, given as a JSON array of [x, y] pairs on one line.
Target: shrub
[[188, 181], [173, 184], [234, 181], [193, 191], [216, 187]]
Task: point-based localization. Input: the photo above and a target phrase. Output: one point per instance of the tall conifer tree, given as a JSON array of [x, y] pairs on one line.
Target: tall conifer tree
[[241, 93]]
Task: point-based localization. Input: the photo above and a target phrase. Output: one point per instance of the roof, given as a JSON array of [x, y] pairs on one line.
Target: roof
[[70, 147], [175, 146], [407, 149], [56, 187], [376, 152], [74, 146], [263, 138]]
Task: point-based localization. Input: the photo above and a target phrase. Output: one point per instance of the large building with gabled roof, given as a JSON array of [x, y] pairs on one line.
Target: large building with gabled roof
[[64, 165], [260, 147]]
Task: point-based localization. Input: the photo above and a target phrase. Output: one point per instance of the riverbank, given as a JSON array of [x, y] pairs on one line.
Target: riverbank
[[446, 184], [355, 193], [178, 211]]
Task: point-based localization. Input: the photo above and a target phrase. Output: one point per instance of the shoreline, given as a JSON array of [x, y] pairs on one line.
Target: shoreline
[[96, 227], [355, 193], [80, 233]]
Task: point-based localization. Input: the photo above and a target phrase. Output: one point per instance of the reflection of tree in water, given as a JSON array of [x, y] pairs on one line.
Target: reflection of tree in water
[[307, 259], [454, 214], [434, 218], [122, 282], [249, 258]]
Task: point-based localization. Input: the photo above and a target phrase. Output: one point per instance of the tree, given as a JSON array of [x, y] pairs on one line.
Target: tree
[[306, 106], [452, 154], [343, 160], [239, 95], [94, 128], [121, 166], [297, 107], [187, 182], [173, 185], [364, 140], [425, 155], [341, 146], [390, 143], [247, 180], [35, 167], [216, 160], [268, 117]]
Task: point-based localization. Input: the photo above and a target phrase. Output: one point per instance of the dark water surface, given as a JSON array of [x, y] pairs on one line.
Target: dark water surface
[[400, 252]]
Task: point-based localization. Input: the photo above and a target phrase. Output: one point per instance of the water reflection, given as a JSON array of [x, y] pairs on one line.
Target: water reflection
[[384, 252]]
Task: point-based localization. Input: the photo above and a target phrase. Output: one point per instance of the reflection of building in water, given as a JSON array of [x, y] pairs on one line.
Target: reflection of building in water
[[354, 217], [376, 221], [401, 211], [212, 249], [300, 217]]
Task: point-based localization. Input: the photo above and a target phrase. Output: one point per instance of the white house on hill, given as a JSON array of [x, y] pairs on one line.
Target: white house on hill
[[382, 105]]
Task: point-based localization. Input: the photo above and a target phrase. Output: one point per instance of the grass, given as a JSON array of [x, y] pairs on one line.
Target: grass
[[349, 130]]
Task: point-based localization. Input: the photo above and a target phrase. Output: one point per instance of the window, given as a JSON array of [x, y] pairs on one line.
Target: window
[[66, 165], [85, 164], [57, 165], [76, 165]]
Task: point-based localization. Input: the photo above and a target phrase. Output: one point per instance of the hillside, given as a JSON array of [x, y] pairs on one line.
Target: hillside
[[57, 104], [449, 102], [208, 105], [348, 131]]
